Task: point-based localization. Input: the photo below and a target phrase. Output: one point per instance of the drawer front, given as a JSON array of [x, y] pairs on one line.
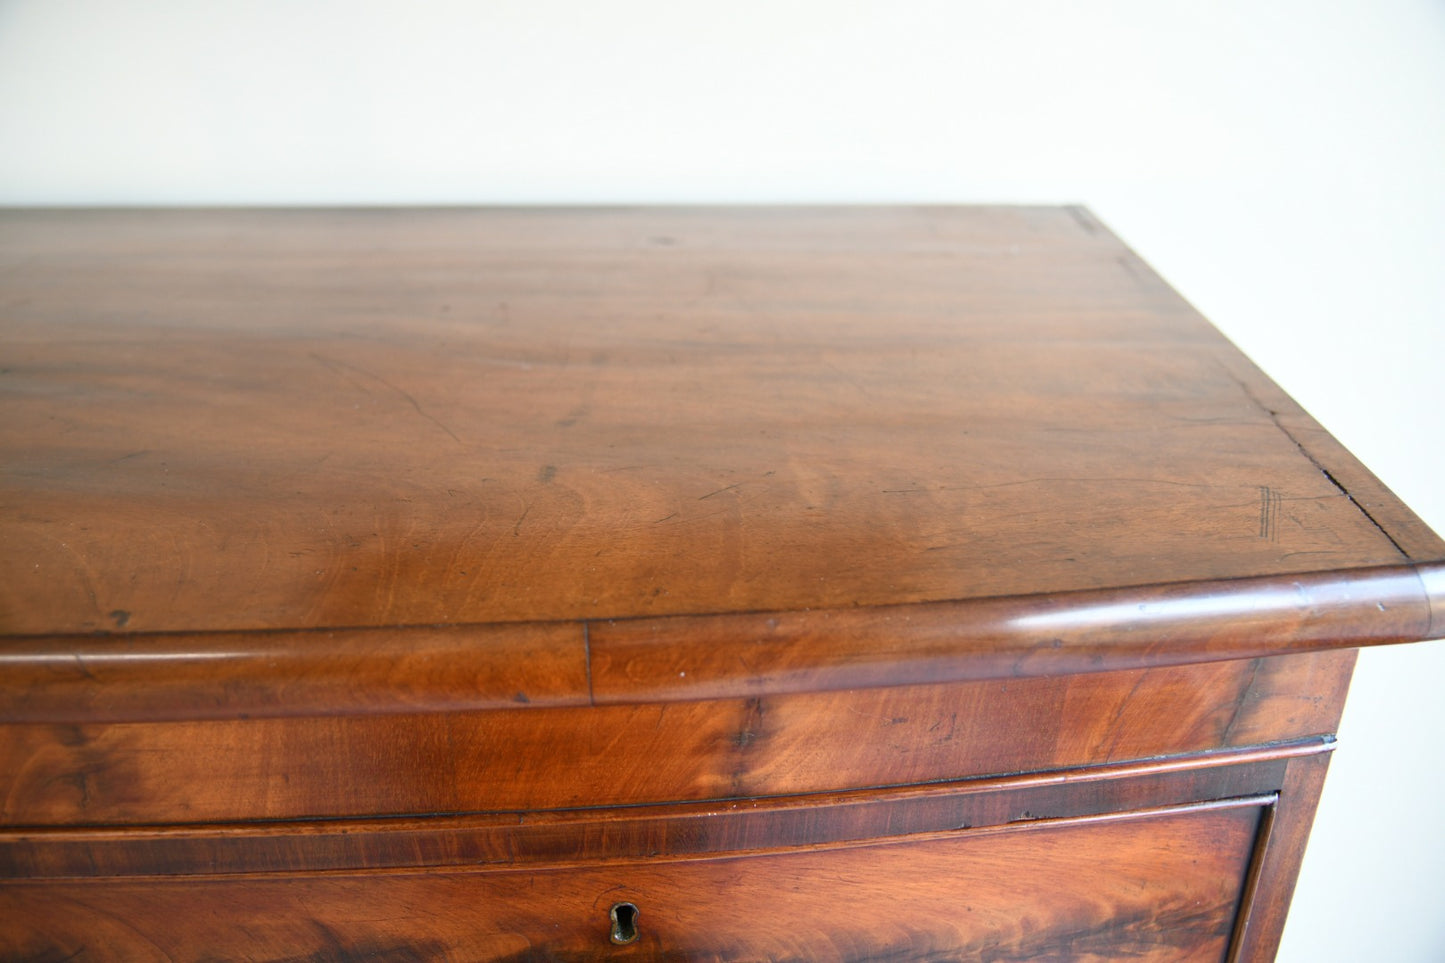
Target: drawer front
[[1152, 886], [242, 770]]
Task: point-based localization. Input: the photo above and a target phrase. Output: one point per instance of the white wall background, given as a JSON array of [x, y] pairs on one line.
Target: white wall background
[[1282, 163]]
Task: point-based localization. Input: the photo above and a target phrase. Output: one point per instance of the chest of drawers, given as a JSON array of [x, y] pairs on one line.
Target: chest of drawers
[[658, 584]]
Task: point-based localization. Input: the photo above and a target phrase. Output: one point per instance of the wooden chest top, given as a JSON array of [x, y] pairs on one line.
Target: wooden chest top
[[581, 455]]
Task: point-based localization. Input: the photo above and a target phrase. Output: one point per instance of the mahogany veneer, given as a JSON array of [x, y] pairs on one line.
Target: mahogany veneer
[[709, 584]]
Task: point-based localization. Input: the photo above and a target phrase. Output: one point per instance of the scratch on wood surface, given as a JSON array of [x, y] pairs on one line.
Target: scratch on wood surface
[[1269, 505], [1310, 457], [1117, 726], [1082, 218], [1239, 704], [333, 363], [84, 669], [1127, 263]]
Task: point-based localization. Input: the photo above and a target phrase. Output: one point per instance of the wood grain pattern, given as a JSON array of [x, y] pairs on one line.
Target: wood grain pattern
[[231, 675], [690, 657], [529, 759], [218, 675], [1414, 538], [340, 419], [1086, 890], [579, 837], [908, 584], [1272, 877]]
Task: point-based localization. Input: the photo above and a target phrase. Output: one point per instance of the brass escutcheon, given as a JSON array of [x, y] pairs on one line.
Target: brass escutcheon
[[624, 923]]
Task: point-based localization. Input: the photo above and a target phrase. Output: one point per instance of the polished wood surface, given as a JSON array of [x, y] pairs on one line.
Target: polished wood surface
[[906, 584], [327, 419], [1094, 889], [534, 759], [138, 677], [1271, 879], [577, 836]]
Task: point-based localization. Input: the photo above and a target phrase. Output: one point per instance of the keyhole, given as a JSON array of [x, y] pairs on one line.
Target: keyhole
[[624, 923]]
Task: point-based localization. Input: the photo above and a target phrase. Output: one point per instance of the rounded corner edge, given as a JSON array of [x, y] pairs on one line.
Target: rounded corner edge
[[1432, 578]]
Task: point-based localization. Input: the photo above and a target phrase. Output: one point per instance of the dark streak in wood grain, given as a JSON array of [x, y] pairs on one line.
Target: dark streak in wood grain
[[657, 832], [579, 756]]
